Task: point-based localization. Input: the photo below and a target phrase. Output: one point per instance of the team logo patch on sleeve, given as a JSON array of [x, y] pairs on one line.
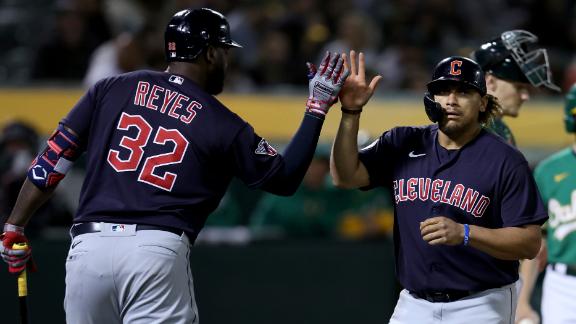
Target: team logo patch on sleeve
[[265, 149]]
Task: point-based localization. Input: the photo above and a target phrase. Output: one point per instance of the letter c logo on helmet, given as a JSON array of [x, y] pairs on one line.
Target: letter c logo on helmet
[[455, 67]]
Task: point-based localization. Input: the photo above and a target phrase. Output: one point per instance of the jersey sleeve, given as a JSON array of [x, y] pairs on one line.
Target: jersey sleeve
[[377, 158], [522, 203], [255, 160], [80, 117]]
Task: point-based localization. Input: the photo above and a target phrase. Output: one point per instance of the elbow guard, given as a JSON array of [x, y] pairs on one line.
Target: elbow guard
[[52, 164]]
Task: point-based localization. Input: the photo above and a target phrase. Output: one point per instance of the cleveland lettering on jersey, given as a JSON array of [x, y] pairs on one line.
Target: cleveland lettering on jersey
[[466, 206], [438, 190], [160, 99]]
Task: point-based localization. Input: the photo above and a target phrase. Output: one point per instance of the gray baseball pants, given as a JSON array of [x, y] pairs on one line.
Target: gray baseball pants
[[129, 277], [492, 306]]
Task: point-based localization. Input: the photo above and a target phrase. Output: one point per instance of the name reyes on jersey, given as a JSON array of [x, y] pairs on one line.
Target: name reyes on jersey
[[438, 190], [166, 101]]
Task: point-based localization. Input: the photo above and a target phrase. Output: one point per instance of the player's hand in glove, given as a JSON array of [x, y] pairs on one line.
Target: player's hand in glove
[[441, 230], [16, 259], [356, 92], [325, 83]]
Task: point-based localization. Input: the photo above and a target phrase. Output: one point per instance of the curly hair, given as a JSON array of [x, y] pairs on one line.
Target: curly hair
[[492, 108]]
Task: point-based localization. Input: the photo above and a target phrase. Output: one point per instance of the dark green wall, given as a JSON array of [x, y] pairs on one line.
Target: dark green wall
[[271, 283]]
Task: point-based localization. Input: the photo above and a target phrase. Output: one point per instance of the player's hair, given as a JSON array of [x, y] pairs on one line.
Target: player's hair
[[492, 108]]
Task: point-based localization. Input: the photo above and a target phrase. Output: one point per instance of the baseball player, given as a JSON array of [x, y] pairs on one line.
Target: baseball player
[[161, 151], [466, 205], [513, 63], [556, 179]]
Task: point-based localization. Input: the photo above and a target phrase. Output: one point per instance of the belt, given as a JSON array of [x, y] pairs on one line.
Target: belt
[[84, 228], [443, 296], [567, 269]]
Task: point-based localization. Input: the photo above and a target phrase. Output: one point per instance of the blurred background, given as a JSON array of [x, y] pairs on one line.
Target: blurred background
[[324, 255]]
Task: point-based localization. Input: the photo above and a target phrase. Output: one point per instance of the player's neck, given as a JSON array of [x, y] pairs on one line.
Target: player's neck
[[190, 71], [457, 140]]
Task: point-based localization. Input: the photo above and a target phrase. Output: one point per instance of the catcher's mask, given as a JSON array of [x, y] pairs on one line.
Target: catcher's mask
[[516, 56]]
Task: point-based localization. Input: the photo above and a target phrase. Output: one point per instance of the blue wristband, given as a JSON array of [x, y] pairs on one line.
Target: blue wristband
[[466, 234]]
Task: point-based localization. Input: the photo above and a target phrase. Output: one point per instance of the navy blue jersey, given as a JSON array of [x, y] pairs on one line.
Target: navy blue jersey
[[161, 151], [486, 183]]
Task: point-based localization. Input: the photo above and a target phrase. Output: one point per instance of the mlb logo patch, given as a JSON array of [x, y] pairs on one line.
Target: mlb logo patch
[[118, 228], [176, 79], [265, 149]]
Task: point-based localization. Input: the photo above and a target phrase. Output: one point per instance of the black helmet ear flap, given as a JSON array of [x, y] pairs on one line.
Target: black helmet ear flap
[[433, 108]]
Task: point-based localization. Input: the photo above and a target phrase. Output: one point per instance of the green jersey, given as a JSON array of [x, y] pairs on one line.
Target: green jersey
[[556, 179], [499, 127]]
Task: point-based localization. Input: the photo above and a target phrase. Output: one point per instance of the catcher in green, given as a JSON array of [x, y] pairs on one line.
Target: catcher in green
[[556, 179], [513, 63]]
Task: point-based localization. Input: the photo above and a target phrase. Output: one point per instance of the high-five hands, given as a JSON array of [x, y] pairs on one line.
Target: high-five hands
[[356, 92], [325, 83]]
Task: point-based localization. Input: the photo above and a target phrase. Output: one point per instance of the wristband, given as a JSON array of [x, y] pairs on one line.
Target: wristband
[[466, 234], [13, 228], [350, 111]]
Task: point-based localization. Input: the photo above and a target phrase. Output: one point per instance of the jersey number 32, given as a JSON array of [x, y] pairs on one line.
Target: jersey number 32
[[137, 149]]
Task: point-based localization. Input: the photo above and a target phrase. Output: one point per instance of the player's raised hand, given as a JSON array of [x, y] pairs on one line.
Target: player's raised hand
[[325, 83], [441, 230], [356, 92]]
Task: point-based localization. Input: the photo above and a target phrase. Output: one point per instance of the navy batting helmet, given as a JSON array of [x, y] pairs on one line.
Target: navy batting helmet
[[570, 110], [189, 32], [516, 56], [452, 69], [458, 69]]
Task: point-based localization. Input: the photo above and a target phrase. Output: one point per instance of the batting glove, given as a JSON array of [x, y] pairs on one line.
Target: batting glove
[[325, 83], [16, 259]]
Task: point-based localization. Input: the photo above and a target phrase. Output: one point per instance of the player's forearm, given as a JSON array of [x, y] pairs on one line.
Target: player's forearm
[[529, 274], [29, 200], [344, 162], [297, 157], [508, 243]]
